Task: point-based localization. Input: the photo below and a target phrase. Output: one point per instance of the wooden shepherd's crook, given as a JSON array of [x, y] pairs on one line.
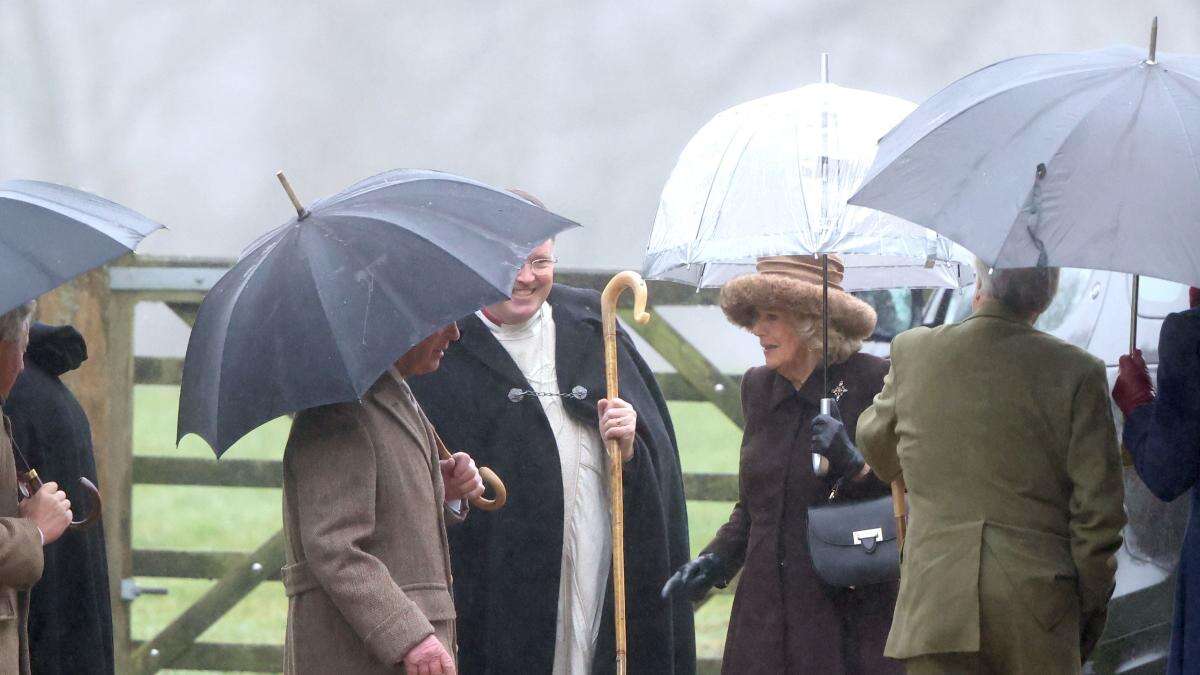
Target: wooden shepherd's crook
[[608, 315]]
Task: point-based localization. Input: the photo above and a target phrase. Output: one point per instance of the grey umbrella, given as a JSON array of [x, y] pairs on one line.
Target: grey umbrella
[[1074, 160], [50, 234], [318, 309]]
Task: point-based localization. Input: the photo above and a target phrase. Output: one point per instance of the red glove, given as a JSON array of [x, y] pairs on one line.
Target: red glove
[[1193, 296], [1133, 387]]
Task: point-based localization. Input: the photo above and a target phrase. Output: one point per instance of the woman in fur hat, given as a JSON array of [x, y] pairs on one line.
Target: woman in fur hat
[[785, 619]]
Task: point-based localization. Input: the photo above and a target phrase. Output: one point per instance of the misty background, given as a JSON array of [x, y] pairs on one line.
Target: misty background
[[185, 110]]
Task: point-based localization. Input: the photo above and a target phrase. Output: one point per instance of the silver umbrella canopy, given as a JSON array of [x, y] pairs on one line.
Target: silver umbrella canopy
[[316, 310], [1072, 160], [50, 234]]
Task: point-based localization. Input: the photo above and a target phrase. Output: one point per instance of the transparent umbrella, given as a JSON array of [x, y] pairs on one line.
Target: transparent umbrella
[[772, 176]]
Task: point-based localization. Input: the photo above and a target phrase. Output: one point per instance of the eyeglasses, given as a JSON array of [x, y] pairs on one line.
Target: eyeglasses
[[540, 264]]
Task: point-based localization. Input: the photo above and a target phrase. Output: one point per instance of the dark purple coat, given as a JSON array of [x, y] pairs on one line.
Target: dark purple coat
[[785, 620]]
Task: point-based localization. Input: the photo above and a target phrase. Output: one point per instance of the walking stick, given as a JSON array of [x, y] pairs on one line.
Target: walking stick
[[608, 314]]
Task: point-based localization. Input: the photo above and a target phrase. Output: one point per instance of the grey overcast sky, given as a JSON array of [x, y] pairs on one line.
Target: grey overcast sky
[[184, 110]]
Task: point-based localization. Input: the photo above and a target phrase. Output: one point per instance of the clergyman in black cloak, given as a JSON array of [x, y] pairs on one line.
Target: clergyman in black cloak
[[507, 563], [70, 621]]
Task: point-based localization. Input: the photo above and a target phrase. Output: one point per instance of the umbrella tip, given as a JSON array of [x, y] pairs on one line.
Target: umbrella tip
[[825, 67], [301, 212], [1153, 42]]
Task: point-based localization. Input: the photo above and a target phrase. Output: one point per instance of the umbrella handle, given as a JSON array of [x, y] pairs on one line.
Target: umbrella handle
[[489, 478], [94, 514], [497, 485], [34, 483]]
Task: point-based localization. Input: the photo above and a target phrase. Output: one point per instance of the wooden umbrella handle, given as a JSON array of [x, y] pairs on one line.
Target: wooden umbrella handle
[[489, 478], [33, 483], [608, 318], [498, 489]]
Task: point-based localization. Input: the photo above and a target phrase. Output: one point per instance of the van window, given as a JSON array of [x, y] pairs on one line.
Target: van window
[[893, 309], [1157, 298]]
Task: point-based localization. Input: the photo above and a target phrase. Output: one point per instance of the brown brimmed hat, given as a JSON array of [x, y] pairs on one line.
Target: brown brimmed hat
[[792, 283]]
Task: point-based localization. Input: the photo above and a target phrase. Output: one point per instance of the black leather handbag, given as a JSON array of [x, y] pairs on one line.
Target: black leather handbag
[[854, 543]]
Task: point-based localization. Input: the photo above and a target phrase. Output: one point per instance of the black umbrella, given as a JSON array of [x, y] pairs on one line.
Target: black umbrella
[[319, 308], [50, 234]]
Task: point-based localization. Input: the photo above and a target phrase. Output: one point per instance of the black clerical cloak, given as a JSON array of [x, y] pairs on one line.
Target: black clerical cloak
[[506, 564], [70, 620]]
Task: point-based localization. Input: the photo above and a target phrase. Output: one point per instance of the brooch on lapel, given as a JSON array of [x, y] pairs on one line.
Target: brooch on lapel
[[840, 390]]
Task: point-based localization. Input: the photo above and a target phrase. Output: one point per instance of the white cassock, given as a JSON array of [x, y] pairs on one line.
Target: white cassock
[[587, 545]]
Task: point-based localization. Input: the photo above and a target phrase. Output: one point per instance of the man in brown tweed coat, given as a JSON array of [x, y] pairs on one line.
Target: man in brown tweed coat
[[366, 501]]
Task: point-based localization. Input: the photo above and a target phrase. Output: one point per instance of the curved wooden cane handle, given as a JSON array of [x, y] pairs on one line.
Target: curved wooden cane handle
[[612, 292], [92, 515], [489, 478], [34, 483], [493, 481]]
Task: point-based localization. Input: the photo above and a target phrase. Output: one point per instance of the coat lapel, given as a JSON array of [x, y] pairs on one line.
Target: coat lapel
[[576, 340], [389, 393], [477, 340]]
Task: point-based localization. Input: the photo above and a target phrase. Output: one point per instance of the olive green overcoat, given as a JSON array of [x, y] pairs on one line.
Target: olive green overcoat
[[1007, 444]]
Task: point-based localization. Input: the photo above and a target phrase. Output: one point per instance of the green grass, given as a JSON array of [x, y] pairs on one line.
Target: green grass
[[202, 518]]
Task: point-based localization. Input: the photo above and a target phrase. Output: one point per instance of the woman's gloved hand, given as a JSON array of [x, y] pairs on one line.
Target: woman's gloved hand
[[695, 577], [830, 440], [1133, 388]]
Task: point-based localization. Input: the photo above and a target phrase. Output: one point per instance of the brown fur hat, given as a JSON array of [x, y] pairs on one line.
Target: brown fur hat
[[793, 284]]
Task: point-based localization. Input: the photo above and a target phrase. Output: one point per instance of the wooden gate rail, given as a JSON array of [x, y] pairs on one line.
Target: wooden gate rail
[[180, 636], [102, 305]]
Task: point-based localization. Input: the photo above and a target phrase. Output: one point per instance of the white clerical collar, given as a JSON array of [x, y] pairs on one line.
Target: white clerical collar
[[516, 330]]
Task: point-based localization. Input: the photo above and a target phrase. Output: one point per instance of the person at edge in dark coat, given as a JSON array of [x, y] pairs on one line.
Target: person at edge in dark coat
[[1162, 433], [785, 619], [70, 620], [521, 391]]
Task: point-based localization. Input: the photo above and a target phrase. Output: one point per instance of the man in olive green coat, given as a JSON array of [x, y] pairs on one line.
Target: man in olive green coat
[[1006, 441]]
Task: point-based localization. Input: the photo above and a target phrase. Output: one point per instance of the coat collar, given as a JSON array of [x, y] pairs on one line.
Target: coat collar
[[477, 339], [390, 392], [576, 325], [782, 388], [996, 310], [575, 329]]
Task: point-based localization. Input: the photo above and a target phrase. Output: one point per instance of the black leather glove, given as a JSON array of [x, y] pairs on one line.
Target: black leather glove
[[696, 577], [829, 439]]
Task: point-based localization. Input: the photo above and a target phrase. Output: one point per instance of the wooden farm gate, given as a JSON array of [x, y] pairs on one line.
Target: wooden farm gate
[[101, 304]]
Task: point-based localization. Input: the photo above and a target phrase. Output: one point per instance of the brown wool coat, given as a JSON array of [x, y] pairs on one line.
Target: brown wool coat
[[20, 566], [785, 620], [368, 567]]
